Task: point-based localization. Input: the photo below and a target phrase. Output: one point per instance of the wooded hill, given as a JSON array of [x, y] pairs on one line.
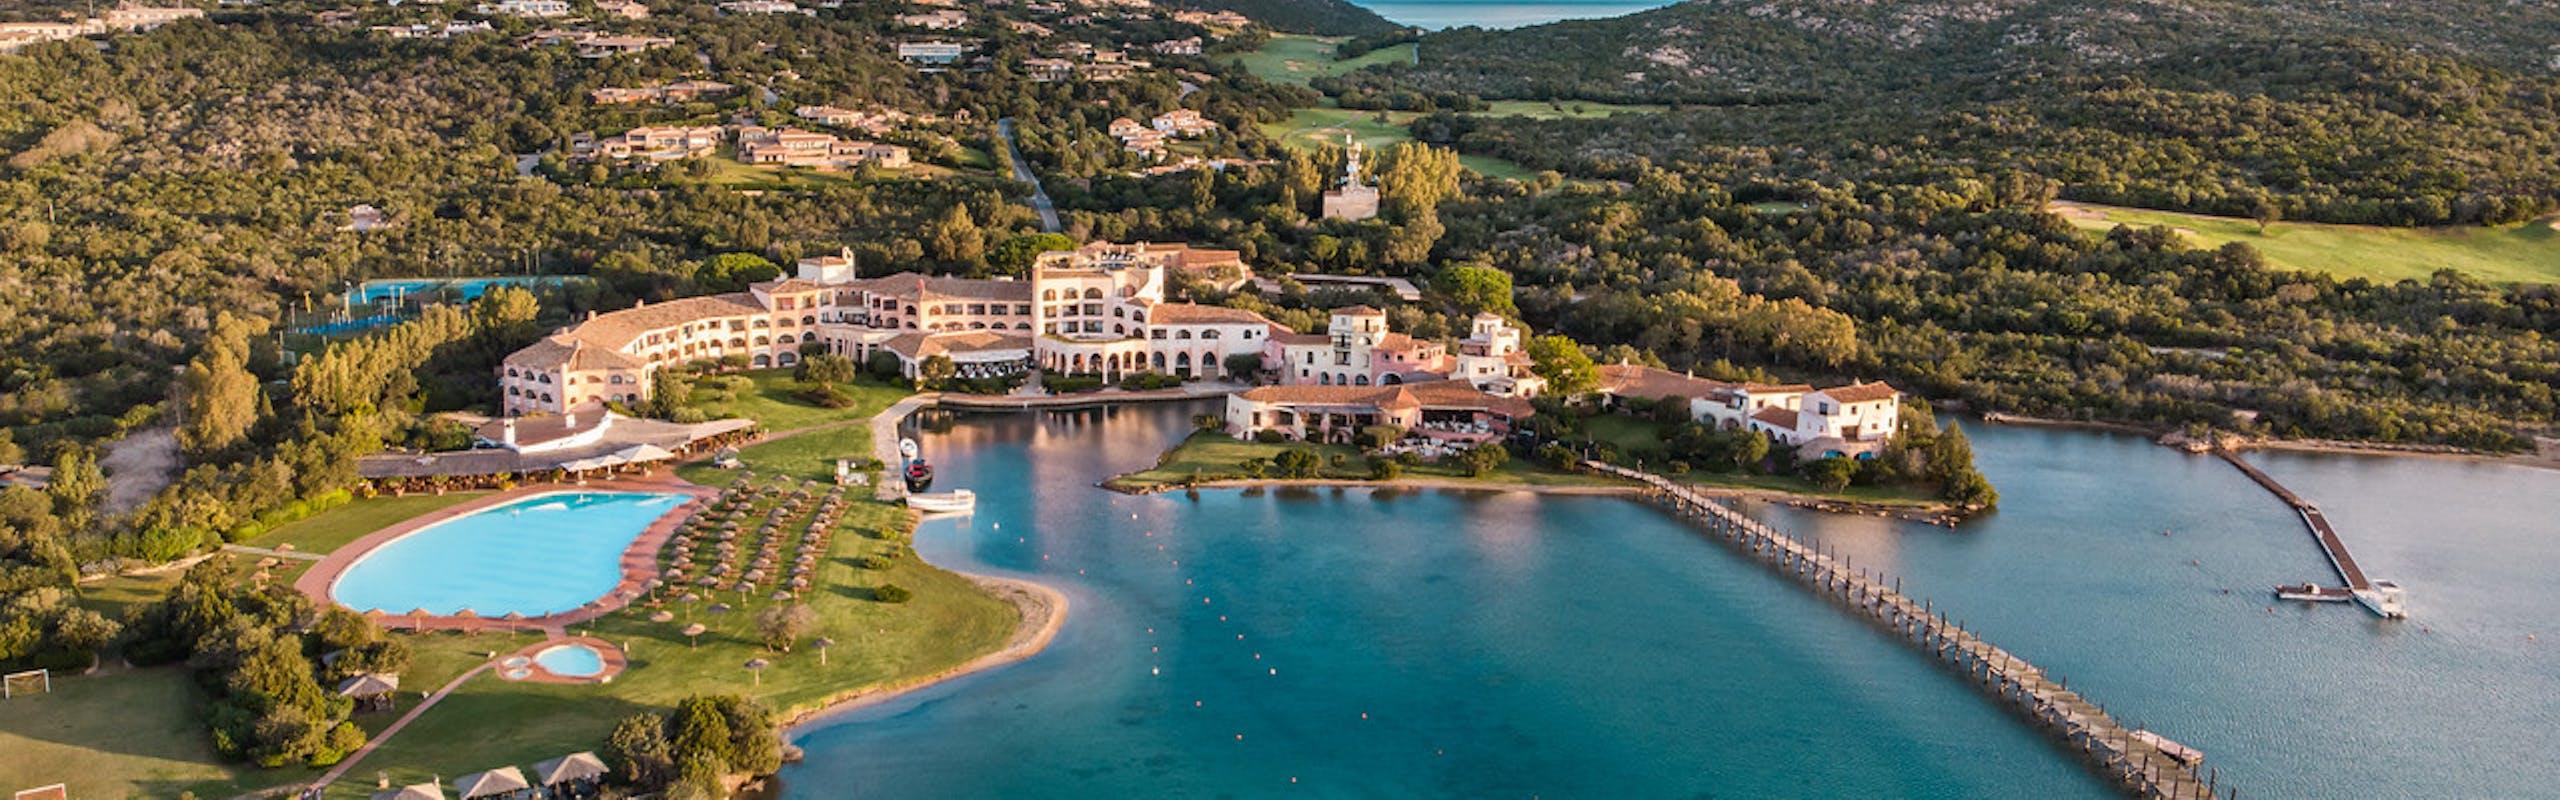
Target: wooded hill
[[2391, 113]]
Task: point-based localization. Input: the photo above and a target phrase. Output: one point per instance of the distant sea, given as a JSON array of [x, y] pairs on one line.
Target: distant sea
[[1438, 14]]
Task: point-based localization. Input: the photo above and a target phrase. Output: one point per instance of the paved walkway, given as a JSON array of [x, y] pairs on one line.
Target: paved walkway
[[296, 555], [340, 770], [1022, 172]]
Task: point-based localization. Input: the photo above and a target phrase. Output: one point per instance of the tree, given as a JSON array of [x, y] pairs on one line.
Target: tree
[[1297, 462], [934, 370], [1413, 179], [784, 626], [1016, 255], [1244, 365], [1483, 459], [699, 729], [217, 395], [825, 368], [1830, 474], [956, 238], [639, 751], [1560, 360], [1479, 289], [730, 272]]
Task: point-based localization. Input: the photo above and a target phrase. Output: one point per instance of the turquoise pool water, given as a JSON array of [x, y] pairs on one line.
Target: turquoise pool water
[[540, 555], [571, 660]]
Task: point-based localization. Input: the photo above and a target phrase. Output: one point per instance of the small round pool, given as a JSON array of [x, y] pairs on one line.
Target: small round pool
[[571, 661]]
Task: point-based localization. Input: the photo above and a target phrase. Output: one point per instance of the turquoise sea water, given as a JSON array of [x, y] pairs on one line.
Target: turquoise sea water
[[1514, 646], [1438, 14], [1368, 644], [540, 555]]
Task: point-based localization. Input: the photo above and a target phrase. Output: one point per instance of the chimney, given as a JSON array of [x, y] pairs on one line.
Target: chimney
[[507, 433]]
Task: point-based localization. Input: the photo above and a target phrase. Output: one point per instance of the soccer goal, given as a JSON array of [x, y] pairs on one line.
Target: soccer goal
[[34, 680]]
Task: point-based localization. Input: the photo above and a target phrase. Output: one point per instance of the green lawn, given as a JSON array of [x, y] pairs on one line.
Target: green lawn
[[127, 734], [805, 439], [1630, 434], [1210, 456], [329, 530], [2525, 253], [1297, 58], [493, 722], [771, 396], [738, 175]]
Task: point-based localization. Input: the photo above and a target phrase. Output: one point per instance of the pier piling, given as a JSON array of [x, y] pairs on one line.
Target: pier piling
[[2136, 765]]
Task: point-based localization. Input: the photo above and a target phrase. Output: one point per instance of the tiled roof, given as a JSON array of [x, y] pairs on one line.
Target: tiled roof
[[1195, 314], [1381, 396], [914, 346], [912, 285], [1358, 311], [1461, 394], [615, 330], [570, 351], [1636, 380], [1395, 342], [1862, 392], [1780, 417], [548, 427]]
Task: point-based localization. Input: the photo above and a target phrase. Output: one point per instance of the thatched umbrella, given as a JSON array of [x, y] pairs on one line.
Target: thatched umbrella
[[662, 616], [418, 618], [470, 620], [755, 667], [822, 644], [693, 634]]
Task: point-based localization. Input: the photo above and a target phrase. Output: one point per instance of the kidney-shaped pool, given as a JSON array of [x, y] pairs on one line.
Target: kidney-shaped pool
[[543, 554]]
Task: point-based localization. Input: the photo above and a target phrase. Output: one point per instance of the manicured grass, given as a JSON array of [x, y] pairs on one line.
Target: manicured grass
[[1630, 434], [2525, 253], [805, 439], [329, 530], [738, 175], [1210, 456], [1297, 58], [772, 397], [492, 722], [133, 733]]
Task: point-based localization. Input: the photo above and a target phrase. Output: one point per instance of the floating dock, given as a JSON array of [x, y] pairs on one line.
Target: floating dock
[[2381, 597], [2143, 764]]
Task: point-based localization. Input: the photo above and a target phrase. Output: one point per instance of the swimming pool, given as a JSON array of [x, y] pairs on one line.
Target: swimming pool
[[571, 660], [540, 555]]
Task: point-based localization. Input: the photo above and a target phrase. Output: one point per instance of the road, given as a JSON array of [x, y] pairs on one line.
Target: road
[[1022, 172]]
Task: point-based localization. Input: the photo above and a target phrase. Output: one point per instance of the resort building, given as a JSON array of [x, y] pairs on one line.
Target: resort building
[[1048, 70], [1856, 420], [1188, 46], [875, 121], [593, 46], [123, 18], [1355, 201], [677, 92], [649, 143], [1357, 349], [1100, 309], [936, 20], [1447, 410], [761, 7], [626, 9], [534, 9], [1183, 122], [931, 54], [793, 147]]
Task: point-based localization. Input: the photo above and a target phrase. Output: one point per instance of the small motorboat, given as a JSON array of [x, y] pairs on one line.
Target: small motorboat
[[2310, 593], [918, 473], [952, 502]]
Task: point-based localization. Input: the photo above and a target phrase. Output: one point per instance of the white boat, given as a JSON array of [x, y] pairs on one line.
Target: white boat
[[960, 500]]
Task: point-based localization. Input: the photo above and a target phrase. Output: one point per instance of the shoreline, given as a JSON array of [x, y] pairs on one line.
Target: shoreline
[[2546, 457], [1044, 612], [1932, 514]]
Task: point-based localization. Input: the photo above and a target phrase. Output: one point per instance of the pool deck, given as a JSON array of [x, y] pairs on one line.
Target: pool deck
[[611, 654], [639, 562]]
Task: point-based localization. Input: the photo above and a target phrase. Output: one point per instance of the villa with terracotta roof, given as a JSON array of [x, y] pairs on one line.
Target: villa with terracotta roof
[[1448, 410], [1357, 349], [1856, 420], [1099, 310]]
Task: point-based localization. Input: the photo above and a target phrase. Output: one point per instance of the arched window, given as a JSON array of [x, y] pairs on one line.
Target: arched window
[[617, 380], [977, 326], [1325, 379], [760, 323], [738, 342], [809, 320], [1091, 293], [762, 361], [1182, 334], [546, 377], [511, 372], [785, 339], [1048, 294], [1360, 380], [1211, 333], [762, 341]]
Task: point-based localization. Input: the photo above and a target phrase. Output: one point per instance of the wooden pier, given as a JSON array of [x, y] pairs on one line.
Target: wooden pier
[[2138, 763], [2327, 537]]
